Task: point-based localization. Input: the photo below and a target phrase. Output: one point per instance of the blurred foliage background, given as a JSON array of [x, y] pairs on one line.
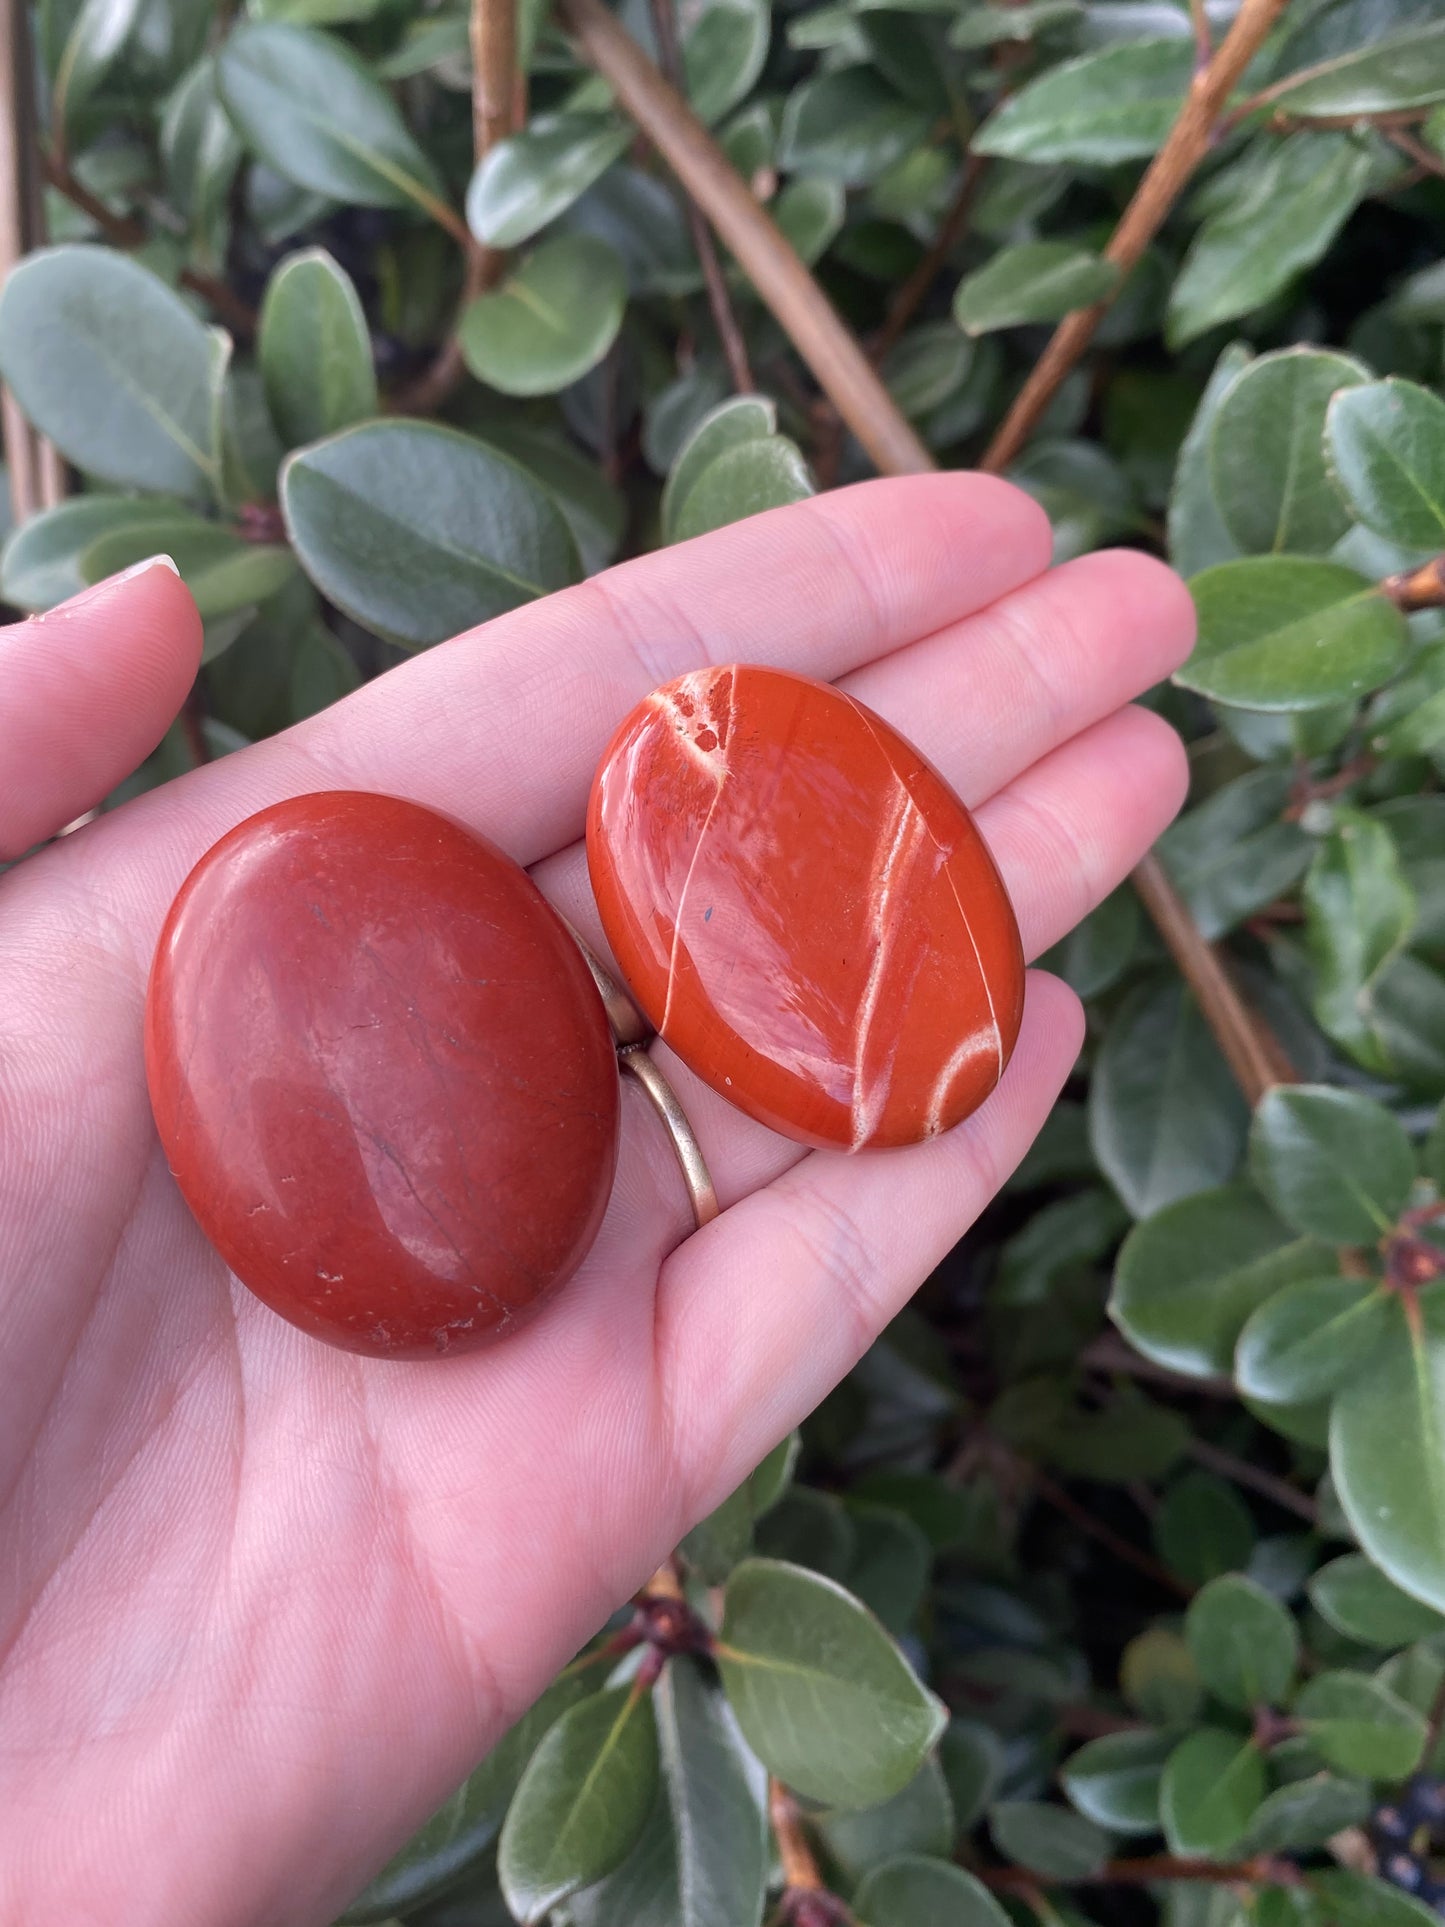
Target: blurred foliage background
[[1110, 1587]]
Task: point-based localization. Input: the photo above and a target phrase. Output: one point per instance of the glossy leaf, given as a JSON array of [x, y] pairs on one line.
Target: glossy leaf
[[1360, 1602], [1115, 1781], [1405, 69], [1165, 1116], [823, 1696], [1359, 1726], [315, 349], [1198, 537], [582, 1801], [1115, 104], [810, 212], [529, 180], [1286, 632], [1355, 1900], [1244, 1643], [112, 366], [1203, 1529], [1359, 913], [744, 418], [1386, 444], [1334, 1164], [1236, 852], [849, 126], [418, 532], [321, 674], [307, 106], [1213, 1785], [223, 572], [744, 480], [717, 1817], [200, 153], [553, 317], [591, 507], [915, 1892], [40, 564], [1305, 1341], [917, 1820], [1048, 1840], [1266, 453], [1386, 1433], [1305, 1814], [1034, 281]]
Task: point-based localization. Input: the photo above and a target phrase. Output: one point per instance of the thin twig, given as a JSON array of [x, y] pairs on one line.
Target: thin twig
[[1265, 1870], [1250, 1048], [1169, 172], [1278, 1490], [801, 1873], [1203, 39], [1063, 1501], [21, 454], [1422, 588], [1423, 156], [123, 232], [669, 55], [781, 279], [915, 290]]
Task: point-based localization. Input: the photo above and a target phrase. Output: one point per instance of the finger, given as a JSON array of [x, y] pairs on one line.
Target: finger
[[813, 1266], [86, 692], [513, 716]]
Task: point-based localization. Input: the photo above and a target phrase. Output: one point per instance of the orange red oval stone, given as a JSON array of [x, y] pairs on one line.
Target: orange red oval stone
[[803, 909], [381, 1073]]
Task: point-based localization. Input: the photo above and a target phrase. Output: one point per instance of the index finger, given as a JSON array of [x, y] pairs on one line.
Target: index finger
[[508, 720]]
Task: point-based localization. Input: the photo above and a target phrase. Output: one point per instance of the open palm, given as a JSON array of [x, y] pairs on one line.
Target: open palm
[[263, 1603]]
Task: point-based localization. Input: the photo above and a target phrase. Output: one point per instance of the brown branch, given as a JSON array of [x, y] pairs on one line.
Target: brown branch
[[1065, 1503], [1168, 173], [1250, 1048], [780, 278], [1279, 1491], [123, 232], [1203, 39], [799, 1863], [914, 291], [1422, 588], [1264, 1870], [669, 54]]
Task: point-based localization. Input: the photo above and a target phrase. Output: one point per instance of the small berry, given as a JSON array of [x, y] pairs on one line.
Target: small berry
[[1392, 1826], [1405, 1871]]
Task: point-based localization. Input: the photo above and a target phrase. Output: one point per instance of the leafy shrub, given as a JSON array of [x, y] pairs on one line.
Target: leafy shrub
[[1150, 1489]]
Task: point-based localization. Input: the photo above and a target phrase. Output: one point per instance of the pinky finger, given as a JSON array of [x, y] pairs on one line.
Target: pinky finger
[[761, 1313], [86, 692]]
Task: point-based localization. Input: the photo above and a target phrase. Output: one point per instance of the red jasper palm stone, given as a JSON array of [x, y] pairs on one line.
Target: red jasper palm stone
[[803, 909], [381, 1073]]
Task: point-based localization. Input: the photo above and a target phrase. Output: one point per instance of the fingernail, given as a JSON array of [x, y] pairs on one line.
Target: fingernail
[[110, 582]]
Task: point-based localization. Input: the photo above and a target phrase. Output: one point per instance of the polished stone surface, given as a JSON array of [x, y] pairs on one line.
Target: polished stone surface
[[381, 1073], [803, 909]]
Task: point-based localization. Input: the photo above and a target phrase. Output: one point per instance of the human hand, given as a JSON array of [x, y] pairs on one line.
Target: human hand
[[263, 1603]]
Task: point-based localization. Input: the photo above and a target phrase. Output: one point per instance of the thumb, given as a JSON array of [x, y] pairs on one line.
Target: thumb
[[87, 690]]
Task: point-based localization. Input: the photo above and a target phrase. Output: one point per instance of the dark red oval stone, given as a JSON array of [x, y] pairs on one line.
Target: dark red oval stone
[[803, 909], [382, 1074]]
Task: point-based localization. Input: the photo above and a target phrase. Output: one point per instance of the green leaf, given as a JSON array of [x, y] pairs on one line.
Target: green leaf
[[813, 1529], [1360, 1602], [1032, 281], [892, 1561], [1286, 632], [1387, 1450], [914, 1892], [810, 211], [200, 154], [418, 532], [1115, 1781], [848, 126], [1236, 852], [1159, 1679], [321, 674], [1359, 912], [643, 1891], [463, 1830], [716, 1815], [1405, 69], [1356, 1724], [1304, 1342], [223, 572], [1165, 1115], [1098, 951], [1244, 1643], [315, 349], [1355, 1900], [717, 1543], [745, 418], [1333, 1163], [1386, 444], [1115, 104], [724, 45], [591, 507], [971, 1755], [745, 480], [582, 1801], [917, 1820], [113, 366], [1203, 1528], [553, 317], [1282, 222], [823, 1696], [1266, 453], [1189, 1277], [1048, 1840], [308, 107], [100, 35], [1197, 535], [1213, 1785], [1305, 1814], [527, 181], [251, 451], [40, 564]]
